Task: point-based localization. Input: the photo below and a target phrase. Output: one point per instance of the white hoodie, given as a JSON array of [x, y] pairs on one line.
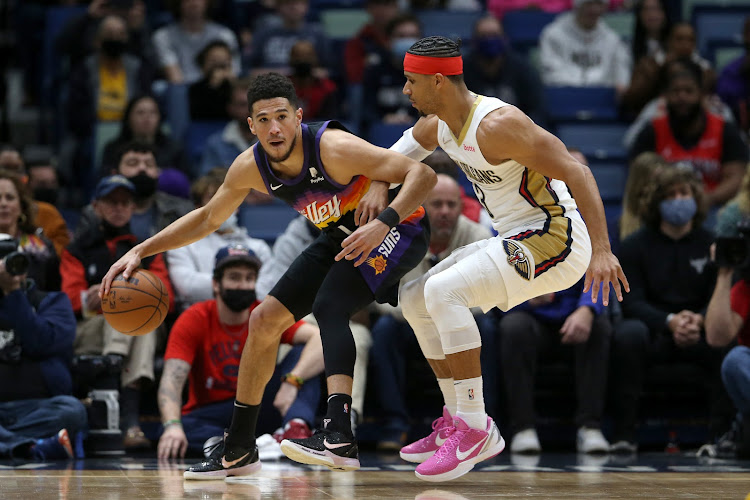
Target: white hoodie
[[571, 56]]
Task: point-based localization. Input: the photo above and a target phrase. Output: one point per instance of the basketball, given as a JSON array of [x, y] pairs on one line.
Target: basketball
[[137, 305]]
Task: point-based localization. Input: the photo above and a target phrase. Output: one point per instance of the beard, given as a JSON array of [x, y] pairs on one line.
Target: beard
[[283, 156], [685, 115]]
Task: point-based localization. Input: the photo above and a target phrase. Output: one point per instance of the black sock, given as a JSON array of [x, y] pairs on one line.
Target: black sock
[[339, 415], [242, 429]]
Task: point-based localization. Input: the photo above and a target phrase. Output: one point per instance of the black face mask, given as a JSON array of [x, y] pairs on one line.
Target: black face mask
[[302, 69], [145, 185], [46, 194], [111, 231], [237, 300], [113, 48]]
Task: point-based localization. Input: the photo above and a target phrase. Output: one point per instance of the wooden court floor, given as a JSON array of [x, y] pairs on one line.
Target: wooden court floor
[[147, 479]]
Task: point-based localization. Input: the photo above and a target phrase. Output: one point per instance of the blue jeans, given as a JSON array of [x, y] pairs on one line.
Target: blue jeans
[[23, 422], [211, 420], [735, 372]]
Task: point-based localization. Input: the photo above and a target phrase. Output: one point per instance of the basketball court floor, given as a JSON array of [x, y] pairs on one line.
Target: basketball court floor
[[555, 476]]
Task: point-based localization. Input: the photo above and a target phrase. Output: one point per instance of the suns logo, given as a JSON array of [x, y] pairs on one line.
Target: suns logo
[[378, 263], [518, 259]]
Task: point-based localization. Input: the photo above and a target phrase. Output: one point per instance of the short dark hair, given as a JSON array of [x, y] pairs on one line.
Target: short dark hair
[[438, 46], [133, 146], [270, 86], [200, 57], [682, 68]]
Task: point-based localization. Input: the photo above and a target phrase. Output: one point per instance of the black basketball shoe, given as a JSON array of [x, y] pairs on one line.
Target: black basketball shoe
[[222, 462], [326, 447]]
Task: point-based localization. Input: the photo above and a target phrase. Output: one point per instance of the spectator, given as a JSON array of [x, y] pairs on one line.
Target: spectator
[[492, 68], [371, 42], [102, 85], [734, 83], [565, 324], [671, 278], [644, 168], [142, 122], [297, 236], [221, 325], [41, 180], [191, 267], [154, 210], [652, 27], [177, 44], [40, 417], [272, 43], [210, 95], [383, 83], [223, 147], [647, 76], [394, 344], [498, 8], [84, 264], [688, 133], [16, 216], [317, 93], [578, 49]]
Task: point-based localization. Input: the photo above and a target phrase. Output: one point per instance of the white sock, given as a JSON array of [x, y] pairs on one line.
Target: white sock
[[470, 402], [449, 394]]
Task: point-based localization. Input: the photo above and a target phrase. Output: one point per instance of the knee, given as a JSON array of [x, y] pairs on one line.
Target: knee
[[71, 412], [411, 298], [264, 326], [438, 293], [734, 362], [630, 334]]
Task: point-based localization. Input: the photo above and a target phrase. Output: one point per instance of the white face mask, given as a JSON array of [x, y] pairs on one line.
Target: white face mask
[[230, 224]]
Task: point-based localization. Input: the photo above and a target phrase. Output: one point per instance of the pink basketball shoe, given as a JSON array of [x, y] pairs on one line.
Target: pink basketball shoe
[[464, 448], [421, 450]]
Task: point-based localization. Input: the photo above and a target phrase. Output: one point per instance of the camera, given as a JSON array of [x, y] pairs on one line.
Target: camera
[[16, 263], [734, 251]]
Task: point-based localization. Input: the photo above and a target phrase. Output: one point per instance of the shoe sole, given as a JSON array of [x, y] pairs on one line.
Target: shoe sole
[[313, 457], [416, 458], [464, 466], [245, 470]]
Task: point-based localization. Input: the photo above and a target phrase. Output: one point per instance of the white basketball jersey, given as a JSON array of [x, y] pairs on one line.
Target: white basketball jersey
[[513, 195]]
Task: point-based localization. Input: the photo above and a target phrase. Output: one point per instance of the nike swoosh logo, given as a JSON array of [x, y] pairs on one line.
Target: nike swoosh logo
[[334, 446], [227, 465], [463, 455], [440, 440], [274, 188]]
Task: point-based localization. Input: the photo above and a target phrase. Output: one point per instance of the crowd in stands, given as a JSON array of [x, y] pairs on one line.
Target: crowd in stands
[[142, 108]]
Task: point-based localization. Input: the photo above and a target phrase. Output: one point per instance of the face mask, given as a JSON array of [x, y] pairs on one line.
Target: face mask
[[46, 194], [401, 45], [491, 46], [237, 300], [230, 224], [113, 48], [302, 69], [678, 211], [145, 185]]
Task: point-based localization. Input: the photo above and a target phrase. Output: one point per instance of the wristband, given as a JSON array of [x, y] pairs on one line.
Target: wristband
[[389, 217], [174, 421], [295, 380]]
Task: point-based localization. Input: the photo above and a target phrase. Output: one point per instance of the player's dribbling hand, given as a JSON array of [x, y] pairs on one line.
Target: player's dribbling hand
[[372, 203], [360, 243], [127, 264], [173, 443], [604, 269]]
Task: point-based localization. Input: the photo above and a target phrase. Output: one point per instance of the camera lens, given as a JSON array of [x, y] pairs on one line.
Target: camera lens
[[16, 263]]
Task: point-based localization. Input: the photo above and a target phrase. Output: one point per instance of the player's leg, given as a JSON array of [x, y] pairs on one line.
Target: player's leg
[[343, 293]]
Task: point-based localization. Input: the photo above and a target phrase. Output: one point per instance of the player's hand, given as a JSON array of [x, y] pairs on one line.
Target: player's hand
[[372, 203], [604, 269], [173, 443], [577, 326], [127, 264], [285, 397], [361, 242]]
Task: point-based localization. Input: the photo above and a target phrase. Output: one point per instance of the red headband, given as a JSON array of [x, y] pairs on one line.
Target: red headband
[[425, 65]]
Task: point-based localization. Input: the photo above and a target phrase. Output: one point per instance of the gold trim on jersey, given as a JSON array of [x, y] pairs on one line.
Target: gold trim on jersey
[[467, 123]]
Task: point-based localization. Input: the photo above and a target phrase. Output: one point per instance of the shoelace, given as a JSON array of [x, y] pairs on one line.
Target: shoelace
[[453, 436]]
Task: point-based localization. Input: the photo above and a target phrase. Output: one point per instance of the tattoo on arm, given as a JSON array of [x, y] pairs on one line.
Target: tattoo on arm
[[171, 385]]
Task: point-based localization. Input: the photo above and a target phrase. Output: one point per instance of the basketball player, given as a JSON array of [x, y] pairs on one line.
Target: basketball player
[[521, 174], [323, 172]]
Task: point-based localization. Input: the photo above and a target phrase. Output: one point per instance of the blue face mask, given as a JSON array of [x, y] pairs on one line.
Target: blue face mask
[[400, 46], [491, 46], [678, 211]]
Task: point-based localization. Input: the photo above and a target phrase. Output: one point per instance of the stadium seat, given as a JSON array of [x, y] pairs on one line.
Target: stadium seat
[[523, 27], [343, 23], [722, 56], [196, 136], [266, 222], [581, 103], [610, 177], [385, 134], [623, 23], [103, 133], [177, 110], [54, 21], [689, 7], [718, 24], [597, 141], [452, 24]]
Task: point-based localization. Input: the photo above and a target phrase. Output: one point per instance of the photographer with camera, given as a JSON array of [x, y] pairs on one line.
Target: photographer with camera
[[38, 417]]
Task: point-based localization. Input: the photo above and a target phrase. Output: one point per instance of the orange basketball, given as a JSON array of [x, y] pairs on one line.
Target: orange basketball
[[137, 305]]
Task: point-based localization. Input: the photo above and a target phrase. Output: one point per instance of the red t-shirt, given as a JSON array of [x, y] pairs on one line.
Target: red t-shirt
[[740, 298], [213, 351]]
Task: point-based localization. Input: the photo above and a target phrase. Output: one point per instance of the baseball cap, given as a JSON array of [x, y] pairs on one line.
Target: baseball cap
[[110, 183], [232, 254]]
